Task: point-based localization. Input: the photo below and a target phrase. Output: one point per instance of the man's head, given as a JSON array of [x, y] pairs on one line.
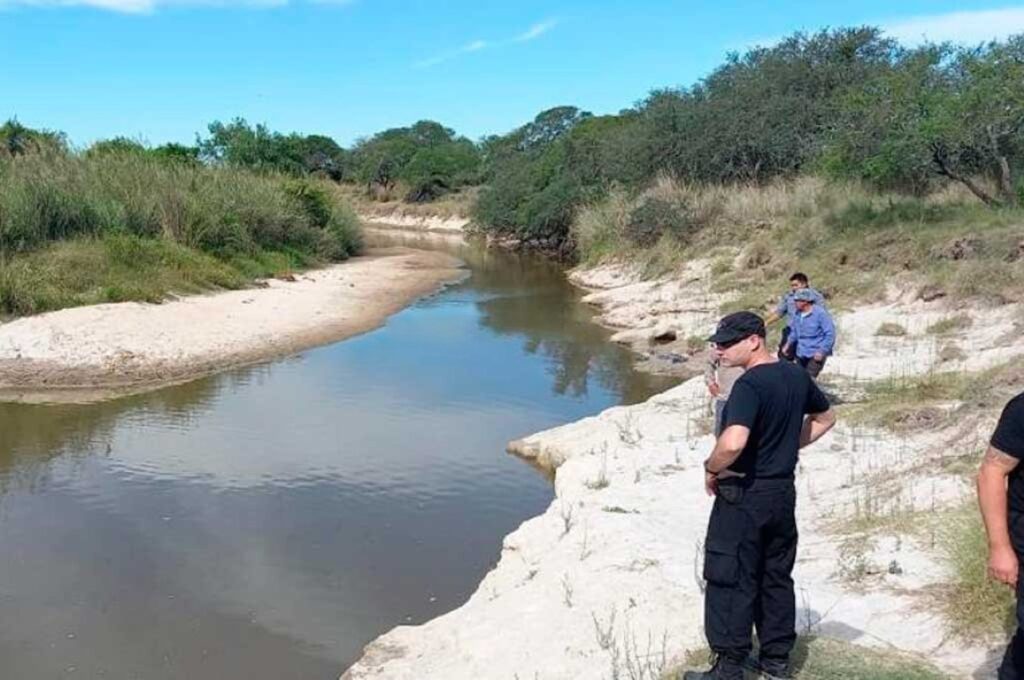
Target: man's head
[[739, 339], [803, 299], [798, 281]]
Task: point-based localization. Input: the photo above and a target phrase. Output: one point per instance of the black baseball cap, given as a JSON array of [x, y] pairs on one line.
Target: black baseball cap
[[737, 326]]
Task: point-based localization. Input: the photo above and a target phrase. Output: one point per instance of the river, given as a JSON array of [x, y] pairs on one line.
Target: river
[[268, 522]]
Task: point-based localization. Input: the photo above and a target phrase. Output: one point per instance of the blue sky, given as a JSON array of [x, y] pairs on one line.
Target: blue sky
[[160, 70]]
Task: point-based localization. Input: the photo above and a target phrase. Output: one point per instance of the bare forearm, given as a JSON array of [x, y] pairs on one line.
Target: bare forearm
[[722, 457], [992, 501], [815, 427]]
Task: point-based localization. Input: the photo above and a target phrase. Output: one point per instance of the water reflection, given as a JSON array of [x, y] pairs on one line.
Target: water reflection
[[270, 521]]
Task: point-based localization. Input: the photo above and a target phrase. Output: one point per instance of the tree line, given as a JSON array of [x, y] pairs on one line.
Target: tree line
[[847, 103]]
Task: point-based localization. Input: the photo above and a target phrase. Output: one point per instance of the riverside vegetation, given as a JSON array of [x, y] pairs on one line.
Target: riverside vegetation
[[115, 224]]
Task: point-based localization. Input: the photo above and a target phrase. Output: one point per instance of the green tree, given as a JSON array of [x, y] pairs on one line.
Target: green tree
[[431, 158], [762, 114], [116, 145], [19, 140], [938, 112]]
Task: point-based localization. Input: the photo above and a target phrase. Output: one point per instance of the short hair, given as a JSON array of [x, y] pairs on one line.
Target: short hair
[[799, 276]]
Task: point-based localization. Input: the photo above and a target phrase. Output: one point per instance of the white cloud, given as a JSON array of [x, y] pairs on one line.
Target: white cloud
[[531, 33], [536, 30], [967, 27], [474, 46]]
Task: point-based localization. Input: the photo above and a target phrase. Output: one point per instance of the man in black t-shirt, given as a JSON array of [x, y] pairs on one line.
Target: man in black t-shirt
[[1001, 497], [751, 541]]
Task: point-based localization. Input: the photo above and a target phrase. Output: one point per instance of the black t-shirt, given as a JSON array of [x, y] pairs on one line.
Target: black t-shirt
[[772, 400], [1009, 438]]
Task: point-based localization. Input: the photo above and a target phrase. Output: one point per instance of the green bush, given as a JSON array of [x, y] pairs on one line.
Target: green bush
[[657, 217], [864, 214], [224, 211]]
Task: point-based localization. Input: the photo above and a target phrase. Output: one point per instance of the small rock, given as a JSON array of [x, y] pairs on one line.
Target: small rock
[[663, 334], [290, 278]]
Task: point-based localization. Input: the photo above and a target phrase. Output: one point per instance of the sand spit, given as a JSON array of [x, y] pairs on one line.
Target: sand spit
[[605, 583], [99, 351], [452, 225]]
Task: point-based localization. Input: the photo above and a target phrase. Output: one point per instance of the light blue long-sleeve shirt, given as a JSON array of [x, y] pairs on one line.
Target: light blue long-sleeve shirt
[[814, 332], [787, 305]]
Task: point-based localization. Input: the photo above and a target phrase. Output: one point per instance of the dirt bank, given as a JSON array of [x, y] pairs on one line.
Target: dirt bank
[[106, 350]]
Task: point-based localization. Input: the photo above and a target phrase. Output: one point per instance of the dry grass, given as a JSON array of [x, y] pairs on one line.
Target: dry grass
[[120, 268], [457, 204], [951, 324], [976, 607], [819, 658], [852, 242]]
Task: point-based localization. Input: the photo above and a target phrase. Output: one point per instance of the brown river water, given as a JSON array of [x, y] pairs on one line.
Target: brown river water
[[268, 522]]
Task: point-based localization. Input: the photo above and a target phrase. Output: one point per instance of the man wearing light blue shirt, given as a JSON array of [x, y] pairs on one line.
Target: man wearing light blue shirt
[[787, 309], [813, 331]]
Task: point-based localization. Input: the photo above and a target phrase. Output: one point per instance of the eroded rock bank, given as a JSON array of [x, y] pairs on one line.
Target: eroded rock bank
[[105, 350], [606, 583]]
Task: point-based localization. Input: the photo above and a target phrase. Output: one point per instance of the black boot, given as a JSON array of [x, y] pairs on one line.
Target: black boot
[[774, 669], [723, 668]]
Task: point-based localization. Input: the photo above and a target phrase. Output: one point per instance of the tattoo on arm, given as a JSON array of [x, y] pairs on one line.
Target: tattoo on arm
[[1003, 461]]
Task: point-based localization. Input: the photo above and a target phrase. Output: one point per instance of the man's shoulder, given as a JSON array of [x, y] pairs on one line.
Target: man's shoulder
[[1015, 407], [771, 372]]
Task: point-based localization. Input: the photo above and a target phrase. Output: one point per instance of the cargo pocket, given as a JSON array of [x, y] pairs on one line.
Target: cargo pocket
[[721, 563]]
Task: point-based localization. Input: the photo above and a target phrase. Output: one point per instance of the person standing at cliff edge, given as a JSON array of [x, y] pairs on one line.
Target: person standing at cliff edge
[[813, 331], [787, 309], [1001, 498], [752, 535]]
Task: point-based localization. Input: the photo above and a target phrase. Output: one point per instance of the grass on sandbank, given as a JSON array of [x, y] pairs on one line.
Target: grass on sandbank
[[120, 268], [78, 230], [851, 241], [820, 658]]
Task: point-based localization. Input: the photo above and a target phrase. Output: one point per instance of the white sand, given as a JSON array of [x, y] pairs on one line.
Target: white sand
[[605, 583], [456, 225], [103, 350]]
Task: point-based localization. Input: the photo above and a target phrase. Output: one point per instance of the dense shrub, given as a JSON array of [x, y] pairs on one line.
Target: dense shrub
[[224, 211], [656, 217], [865, 214]]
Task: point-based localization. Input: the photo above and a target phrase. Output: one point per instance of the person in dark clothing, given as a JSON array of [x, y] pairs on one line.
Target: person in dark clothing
[[1001, 498], [752, 535]]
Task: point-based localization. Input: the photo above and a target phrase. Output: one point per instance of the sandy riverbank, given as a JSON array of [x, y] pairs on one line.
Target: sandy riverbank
[[105, 350], [445, 225], [606, 583]]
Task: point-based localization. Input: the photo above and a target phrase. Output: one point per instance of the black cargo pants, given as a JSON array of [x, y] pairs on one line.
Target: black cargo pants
[[1013, 661], [748, 565]]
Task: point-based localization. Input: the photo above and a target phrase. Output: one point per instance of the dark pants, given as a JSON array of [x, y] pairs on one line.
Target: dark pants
[[812, 365], [791, 354], [748, 566], [1013, 661]]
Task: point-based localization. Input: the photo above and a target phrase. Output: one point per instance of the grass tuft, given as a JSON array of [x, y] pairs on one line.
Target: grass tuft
[[890, 329], [819, 658], [976, 607]]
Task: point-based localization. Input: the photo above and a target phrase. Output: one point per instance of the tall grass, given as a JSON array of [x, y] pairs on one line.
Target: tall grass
[[975, 606], [852, 241], [81, 229]]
